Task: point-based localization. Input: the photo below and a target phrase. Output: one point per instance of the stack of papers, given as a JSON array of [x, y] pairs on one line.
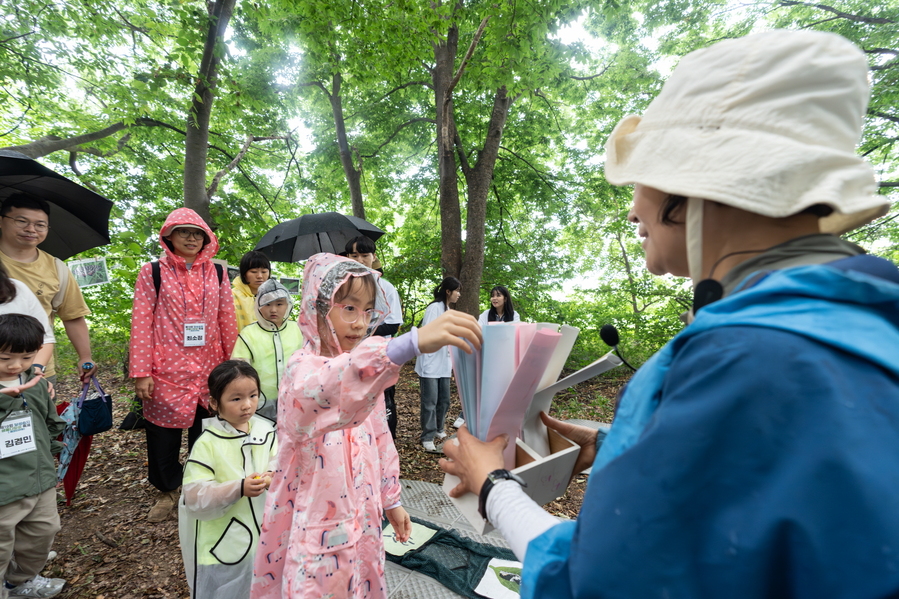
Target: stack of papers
[[498, 383]]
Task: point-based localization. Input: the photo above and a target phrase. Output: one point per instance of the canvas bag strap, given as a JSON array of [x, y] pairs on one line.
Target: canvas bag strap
[[62, 273]]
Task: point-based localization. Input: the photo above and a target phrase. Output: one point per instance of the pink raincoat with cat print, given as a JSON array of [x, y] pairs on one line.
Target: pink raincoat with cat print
[[337, 465]]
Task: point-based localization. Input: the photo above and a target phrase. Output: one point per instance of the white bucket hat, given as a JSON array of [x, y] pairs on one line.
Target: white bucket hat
[[766, 123]]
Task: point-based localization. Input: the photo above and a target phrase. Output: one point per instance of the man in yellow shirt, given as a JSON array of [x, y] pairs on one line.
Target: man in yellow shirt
[[24, 223]]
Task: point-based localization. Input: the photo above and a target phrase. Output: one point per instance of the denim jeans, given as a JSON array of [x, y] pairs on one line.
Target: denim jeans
[[435, 401]]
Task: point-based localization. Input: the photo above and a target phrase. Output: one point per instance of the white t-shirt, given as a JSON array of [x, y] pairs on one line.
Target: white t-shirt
[[393, 300], [27, 303], [439, 364]]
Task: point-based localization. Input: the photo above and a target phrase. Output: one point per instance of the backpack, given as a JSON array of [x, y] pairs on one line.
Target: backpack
[[157, 276]]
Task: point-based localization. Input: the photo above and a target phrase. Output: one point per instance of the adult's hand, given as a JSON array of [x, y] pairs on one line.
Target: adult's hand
[[582, 435], [450, 328], [472, 460], [143, 387], [86, 374]]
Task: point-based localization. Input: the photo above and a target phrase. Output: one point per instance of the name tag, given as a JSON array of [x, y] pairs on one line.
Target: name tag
[[194, 334], [17, 434]]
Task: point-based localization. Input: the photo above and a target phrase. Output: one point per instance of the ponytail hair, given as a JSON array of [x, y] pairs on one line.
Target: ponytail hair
[[446, 285]]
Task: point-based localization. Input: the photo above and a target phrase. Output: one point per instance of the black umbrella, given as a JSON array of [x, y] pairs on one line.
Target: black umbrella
[[79, 218], [311, 234]]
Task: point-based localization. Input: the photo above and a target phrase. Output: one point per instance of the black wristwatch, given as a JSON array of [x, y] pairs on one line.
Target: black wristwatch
[[492, 478]]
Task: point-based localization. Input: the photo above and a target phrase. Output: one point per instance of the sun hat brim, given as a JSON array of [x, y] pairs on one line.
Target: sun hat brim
[[764, 172]]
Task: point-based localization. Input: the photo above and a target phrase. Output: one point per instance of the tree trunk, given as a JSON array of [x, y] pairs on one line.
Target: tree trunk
[[196, 143], [479, 179], [353, 176], [448, 190]]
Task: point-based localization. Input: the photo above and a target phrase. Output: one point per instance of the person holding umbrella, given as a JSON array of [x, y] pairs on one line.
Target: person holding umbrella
[[180, 330], [24, 224]]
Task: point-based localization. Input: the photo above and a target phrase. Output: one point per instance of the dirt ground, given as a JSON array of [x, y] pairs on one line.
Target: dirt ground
[[107, 549]]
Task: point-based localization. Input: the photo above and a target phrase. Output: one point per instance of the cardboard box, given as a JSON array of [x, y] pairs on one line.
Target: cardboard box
[[547, 477], [544, 459]]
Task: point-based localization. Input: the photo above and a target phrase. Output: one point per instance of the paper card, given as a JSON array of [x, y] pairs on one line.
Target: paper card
[[501, 580], [467, 372], [497, 370], [534, 431], [509, 415], [560, 356], [420, 535], [524, 332], [90, 271]]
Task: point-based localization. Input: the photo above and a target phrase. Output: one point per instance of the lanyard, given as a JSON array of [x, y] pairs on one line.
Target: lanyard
[[184, 295], [22, 395]]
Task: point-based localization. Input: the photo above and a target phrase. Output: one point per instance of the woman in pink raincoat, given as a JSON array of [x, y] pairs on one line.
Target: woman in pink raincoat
[[182, 327], [338, 469]]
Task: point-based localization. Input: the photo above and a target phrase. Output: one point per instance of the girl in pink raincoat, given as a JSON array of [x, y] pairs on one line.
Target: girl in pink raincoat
[[182, 326], [338, 469]]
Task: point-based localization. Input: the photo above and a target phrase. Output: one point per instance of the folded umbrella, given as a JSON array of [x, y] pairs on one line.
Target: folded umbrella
[[311, 234], [79, 217]]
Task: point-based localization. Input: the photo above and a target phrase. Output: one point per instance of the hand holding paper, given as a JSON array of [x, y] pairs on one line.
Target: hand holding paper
[[471, 460], [450, 328]]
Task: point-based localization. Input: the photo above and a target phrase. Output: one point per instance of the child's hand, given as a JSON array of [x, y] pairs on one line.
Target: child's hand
[[267, 477], [254, 485], [450, 328], [401, 522], [17, 390]]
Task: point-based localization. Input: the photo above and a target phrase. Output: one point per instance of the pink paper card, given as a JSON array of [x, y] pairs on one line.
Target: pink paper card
[[509, 415], [524, 332]]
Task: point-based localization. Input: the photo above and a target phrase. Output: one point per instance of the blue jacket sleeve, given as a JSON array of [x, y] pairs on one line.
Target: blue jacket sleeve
[[770, 469]]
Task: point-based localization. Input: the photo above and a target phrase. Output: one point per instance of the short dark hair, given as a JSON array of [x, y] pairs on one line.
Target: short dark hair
[[251, 260], [20, 334], [24, 200], [361, 244], [226, 373]]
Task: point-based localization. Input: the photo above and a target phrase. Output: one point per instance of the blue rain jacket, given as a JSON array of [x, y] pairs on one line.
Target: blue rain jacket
[[755, 456]]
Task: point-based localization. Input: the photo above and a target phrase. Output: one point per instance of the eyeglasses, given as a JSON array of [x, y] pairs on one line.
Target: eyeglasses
[[350, 314], [23, 223], [189, 233]]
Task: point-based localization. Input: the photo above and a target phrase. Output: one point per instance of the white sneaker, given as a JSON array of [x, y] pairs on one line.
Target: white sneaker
[[459, 422], [38, 587], [430, 447], [440, 435]]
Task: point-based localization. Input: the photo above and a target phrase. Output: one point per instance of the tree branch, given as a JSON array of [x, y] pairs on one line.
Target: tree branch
[[589, 77], [471, 47], [883, 115], [540, 175], [839, 13], [210, 191], [396, 132]]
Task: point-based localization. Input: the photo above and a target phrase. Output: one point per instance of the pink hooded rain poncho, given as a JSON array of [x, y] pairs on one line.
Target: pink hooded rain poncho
[[337, 465], [157, 327]]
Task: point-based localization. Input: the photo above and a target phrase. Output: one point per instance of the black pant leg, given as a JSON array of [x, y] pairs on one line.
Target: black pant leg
[[390, 402], [163, 468], [193, 433]]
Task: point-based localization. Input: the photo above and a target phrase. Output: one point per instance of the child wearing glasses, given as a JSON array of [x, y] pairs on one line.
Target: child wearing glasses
[[337, 469], [182, 326]]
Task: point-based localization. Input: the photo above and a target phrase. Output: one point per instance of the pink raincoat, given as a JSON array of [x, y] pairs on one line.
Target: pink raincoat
[[157, 327], [337, 464]]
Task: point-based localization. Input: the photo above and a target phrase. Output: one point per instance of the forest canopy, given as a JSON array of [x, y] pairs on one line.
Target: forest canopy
[[471, 132]]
